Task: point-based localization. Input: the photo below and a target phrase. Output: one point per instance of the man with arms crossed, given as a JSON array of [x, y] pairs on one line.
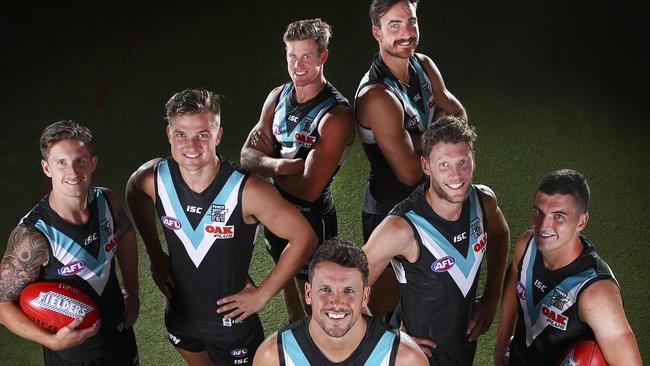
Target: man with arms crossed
[[209, 210], [437, 239], [72, 236], [558, 290], [337, 333], [401, 94], [301, 140]]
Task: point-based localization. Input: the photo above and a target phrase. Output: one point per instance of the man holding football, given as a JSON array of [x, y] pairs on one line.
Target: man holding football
[[72, 236], [558, 290]]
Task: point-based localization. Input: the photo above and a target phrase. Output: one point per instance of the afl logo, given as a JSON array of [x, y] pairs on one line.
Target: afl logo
[[443, 264], [239, 352], [72, 268], [171, 223], [521, 291]]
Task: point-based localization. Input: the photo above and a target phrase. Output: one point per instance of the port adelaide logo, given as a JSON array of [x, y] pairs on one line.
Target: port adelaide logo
[[218, 215]]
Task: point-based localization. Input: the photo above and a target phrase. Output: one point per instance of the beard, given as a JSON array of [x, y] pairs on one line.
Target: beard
[[392, 49], [437, 188], [335, 332]]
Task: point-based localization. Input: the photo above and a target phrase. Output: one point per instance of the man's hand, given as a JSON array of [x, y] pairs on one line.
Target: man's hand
[[501, 354], [425, 345], [131, 308], [161, 275], [242, 304], [290, 166], [482, 318], [260, 141], [69, 336]]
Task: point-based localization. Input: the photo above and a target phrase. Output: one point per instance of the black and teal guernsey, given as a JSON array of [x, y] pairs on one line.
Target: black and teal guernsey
[[437, 291], [83, 256], [548, 318], [209, 245], [383, 189], [295, 132], [378, 347]]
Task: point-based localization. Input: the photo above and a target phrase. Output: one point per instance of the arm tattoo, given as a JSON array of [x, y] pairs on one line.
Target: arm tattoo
[[26, 253], [122, 222]]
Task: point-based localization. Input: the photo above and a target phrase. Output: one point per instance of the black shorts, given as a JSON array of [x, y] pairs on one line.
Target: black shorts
[[370, 221], [324, 225], [123, 352], [221, 350]]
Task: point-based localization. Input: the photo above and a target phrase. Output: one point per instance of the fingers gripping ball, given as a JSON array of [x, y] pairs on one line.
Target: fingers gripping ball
[[583, 353], [53, 305]]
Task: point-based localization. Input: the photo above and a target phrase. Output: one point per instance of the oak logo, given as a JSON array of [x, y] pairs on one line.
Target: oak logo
[[220, 231], [555, 319], [303, 139]]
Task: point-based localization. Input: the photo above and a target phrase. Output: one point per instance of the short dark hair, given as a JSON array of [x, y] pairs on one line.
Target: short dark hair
[[379, 7], [567, 181], [192, 101], [448, 129], [65, 130], [315, 29], [341, 252]]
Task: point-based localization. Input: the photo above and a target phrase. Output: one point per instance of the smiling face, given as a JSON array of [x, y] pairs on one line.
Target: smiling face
[[194, 139], [70, 165], [556, 222], [398, 35], [336, 295], [450, 167], [304, 61]]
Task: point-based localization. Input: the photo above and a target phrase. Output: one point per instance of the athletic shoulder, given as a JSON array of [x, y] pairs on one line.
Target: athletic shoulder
[[409, 353], [267, 352]]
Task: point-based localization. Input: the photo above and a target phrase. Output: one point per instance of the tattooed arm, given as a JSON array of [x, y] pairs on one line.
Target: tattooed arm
[[127, 257], [26, 253]]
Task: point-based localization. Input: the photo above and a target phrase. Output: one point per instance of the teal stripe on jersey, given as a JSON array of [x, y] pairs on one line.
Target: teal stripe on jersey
[[96, 265], [292, 349], [424, 92], [566, 286], [195, 235], [383, 348]]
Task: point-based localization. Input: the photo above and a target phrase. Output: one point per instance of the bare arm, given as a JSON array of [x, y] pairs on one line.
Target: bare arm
[[446, 102], [140, 196], [267, 353], [127, 257], [409, 353], [498, 236], [509, 304], [26, 253], [601, 307], [336, 133], [261, 202], [257, 154], [379, 110]]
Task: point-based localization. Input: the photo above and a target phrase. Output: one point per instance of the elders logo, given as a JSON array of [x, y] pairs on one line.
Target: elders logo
[[61, 304], [220, 231], [72, 268], [554, 319], [443, 264], [171, 223]]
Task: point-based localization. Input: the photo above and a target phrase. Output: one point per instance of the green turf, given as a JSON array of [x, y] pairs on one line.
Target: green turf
[[537, 84]]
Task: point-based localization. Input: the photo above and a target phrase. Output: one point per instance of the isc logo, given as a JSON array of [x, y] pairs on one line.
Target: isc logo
[[443, 264], [72, 268], [460, 237], [171, 223], [556, 320], [239, 352], [194, 209], [305, 139], [220, 232], [293, 118]]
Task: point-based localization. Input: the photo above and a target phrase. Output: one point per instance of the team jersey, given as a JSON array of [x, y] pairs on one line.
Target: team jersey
[[548, 318], [384, 190], [378, 347], [209, 245], [295, 132], [82, 256], [437, 291]]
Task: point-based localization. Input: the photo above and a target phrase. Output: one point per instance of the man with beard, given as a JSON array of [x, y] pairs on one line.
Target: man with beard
[[337, 333], [436, 240], [301, 140], [397, 98]]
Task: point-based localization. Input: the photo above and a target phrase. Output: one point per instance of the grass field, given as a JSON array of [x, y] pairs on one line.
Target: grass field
[[547, 86]]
